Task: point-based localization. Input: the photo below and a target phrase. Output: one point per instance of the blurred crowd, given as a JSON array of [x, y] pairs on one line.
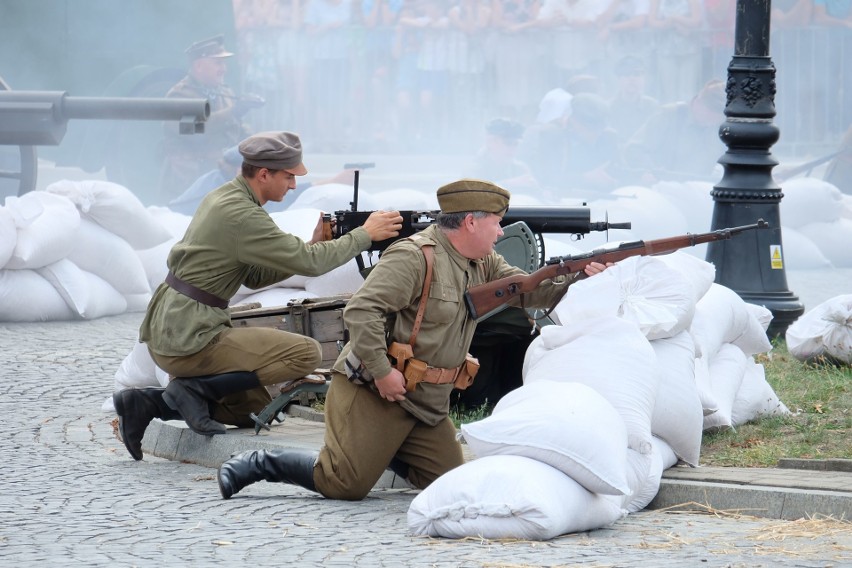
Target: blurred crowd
[[426, 75]]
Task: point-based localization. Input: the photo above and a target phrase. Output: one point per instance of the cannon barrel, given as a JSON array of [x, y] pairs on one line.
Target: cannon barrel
[[36, 118]]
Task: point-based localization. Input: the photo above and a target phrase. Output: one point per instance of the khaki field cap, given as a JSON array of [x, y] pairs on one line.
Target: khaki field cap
[[274, 151], [473, 195], [210, 47]]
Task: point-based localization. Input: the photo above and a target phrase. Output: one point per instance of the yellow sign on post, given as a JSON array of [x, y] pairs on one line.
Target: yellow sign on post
[[775, 259]]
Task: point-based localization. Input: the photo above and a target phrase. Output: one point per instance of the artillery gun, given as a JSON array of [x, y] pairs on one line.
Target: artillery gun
[[39, 118]]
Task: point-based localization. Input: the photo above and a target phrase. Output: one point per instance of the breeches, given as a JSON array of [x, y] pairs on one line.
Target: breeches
[[363, 432], [275, 356]]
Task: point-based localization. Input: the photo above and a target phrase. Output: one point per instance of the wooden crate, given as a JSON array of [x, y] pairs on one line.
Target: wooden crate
[[319, 318]]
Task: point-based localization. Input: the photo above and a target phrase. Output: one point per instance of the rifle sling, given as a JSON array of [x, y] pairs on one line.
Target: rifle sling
[[428, 253]]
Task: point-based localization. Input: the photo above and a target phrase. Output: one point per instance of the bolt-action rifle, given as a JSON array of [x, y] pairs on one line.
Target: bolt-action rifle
[[483, 298]]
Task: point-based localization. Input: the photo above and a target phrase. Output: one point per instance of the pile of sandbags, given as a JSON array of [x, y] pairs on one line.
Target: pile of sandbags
[[825, 331], [644, 358], [68, 252]]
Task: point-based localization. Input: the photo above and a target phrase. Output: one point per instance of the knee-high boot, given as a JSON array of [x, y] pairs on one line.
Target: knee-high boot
[[136, 408], [191, 396], [288, 465]]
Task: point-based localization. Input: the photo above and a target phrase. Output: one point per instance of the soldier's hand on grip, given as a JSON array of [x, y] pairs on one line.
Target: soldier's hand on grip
[[381, 225]]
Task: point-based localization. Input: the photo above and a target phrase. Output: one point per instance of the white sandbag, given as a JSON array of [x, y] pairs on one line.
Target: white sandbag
[[404, 199], [608, 354], [727, 368], [762, 314], [810, 200], [645, 471], [756, 397], [137, 302], [345, 279], [721, 316], [833, 240], [692, 199], [46, 228], [138, 370], [299, 221], [154, 262], [678, 416], [115, 208], [110, 257], [8, 235], [332, 197], [709, 404], [26, 296], [643, 290], [274, 297], [824, 330], [699, 273], [559, 245], [509, 497], [174, 222], [650, 213], [88, 295], [568, 426], [800, 252]]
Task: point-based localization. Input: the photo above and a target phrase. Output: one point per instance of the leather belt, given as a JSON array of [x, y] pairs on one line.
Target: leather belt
[[196, 294], [439, 376]]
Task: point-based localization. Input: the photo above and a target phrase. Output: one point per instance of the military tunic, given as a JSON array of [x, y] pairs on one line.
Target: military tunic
[[188, 157], [417, 429], [232, 241]]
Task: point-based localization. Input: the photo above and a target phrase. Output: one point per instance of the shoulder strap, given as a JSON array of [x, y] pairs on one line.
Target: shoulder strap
[[429, 253]]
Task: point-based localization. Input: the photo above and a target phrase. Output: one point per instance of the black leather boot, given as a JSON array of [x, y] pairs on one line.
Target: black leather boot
[[191, 396], [136, 408], [288, 465]]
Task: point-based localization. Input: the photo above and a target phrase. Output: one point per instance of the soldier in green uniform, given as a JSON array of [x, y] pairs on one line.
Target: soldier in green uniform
[[375, 417], [232, 241], [186, 158]]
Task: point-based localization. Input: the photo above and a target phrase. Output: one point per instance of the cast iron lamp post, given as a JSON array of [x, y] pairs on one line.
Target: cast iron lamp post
[[752, 264]]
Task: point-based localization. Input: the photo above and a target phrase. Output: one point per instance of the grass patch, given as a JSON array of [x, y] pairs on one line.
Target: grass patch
[[819, 394]]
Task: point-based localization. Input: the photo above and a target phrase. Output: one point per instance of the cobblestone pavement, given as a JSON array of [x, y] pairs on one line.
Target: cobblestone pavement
[[73, 497]]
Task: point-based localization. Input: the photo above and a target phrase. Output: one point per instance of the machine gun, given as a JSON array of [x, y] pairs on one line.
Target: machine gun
[[40, 118], [575, 221]]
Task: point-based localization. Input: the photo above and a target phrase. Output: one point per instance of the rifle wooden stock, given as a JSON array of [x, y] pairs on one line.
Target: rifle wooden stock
[[483, 298]]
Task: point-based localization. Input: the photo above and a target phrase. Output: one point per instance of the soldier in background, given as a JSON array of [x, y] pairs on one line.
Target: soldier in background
[[186, 158]]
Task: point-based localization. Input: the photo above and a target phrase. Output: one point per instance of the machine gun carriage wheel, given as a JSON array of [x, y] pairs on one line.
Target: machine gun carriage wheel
[[18, 165]]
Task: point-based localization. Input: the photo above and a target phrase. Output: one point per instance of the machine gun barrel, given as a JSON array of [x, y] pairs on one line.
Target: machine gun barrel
[[34, 118], [573, 220]]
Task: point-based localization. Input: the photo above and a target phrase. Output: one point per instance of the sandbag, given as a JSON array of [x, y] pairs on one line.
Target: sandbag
[[810, 200], [721, 316], [345, 279], [568, 426], [88, 295], [833, 240], [509, 497], [755, 397], [154, 261], [709, 404], [678, 416], [46, 226], [273, 297], [611, 356], [8, 236], [826, 330], [800, 252], [643, 290], [27, 296], [727, 368], [645, 471], [115, 208], [138, 370], [110, 257], [699, 273]]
